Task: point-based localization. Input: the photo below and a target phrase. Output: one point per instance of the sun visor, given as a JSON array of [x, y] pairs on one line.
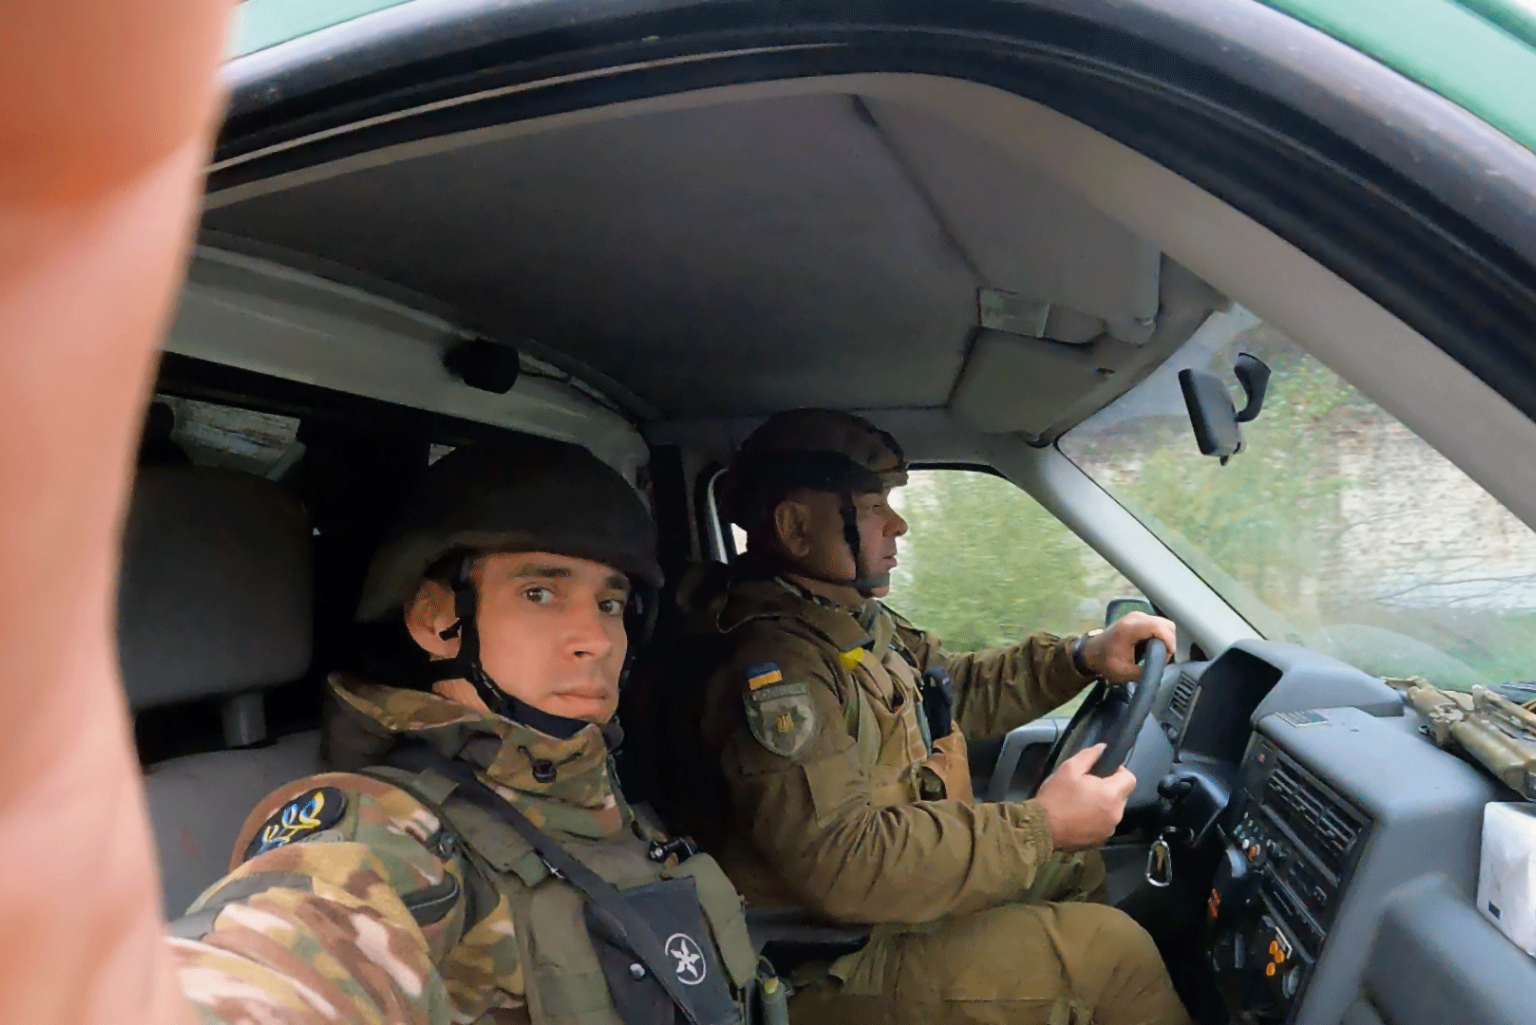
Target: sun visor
[[1016, 384], [1026, 233]]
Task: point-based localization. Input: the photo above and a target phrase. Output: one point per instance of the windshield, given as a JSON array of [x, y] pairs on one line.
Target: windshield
[[259, 24], [1335, 526]]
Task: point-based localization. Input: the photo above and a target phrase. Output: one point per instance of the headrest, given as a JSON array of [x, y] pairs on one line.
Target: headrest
[[215, 592]]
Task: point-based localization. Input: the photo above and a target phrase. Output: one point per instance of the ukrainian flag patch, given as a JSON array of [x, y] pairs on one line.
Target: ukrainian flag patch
[[763, 674]]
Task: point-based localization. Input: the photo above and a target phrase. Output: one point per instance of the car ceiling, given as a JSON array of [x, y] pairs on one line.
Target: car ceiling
[[735, 259]]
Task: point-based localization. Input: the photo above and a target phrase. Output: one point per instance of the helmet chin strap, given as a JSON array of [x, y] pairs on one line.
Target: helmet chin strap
[[863, 582]]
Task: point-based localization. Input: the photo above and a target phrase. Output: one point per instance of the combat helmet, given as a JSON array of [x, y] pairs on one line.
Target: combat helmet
[[819, 450], [521, 494]]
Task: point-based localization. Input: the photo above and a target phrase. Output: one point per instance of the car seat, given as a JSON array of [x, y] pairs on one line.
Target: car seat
[[214, 603]]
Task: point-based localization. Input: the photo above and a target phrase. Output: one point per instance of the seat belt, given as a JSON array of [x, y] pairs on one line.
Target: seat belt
[[610, 908]]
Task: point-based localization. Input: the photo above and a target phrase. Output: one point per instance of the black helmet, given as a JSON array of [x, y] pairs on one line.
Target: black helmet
[[523, 494]]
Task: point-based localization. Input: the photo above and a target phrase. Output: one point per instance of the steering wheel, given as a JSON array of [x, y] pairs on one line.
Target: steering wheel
[[1112, 717]]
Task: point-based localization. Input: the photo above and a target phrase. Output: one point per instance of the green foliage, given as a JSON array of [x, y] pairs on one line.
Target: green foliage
[[1306, 531], [985, 565], [1312, 534], [1269, 518]]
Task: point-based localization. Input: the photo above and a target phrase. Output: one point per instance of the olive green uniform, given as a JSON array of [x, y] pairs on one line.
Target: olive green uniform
[[377, 896], [839, 806]]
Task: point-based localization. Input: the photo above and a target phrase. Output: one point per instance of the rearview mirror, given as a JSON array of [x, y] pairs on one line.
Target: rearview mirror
[[1119, 608], [1211, 414], [1253, 374]]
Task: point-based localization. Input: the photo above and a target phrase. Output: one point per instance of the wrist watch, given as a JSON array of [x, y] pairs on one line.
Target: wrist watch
[[1077, 654]]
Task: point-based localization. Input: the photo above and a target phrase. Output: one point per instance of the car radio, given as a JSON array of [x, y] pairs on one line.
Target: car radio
[[1289, 851]]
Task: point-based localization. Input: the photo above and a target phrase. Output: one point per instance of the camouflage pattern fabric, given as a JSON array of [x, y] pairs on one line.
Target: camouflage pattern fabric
[[363, 920], [1492, 730]]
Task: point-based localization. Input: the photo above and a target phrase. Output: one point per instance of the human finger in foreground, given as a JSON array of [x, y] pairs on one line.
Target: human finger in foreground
[[107, 121]]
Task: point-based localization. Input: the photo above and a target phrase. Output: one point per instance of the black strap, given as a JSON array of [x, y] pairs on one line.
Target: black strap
[[607, 903], [938, 702]]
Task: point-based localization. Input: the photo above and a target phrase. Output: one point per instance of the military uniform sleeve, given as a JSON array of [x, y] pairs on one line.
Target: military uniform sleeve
[[798, 787], [343, 902], [1000, 689]]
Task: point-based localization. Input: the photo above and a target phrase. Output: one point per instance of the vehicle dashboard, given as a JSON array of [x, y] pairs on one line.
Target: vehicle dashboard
[[1345, 846]]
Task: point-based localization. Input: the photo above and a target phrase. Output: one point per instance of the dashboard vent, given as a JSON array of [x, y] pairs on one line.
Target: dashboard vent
[[1328, 826], [1183, 694]]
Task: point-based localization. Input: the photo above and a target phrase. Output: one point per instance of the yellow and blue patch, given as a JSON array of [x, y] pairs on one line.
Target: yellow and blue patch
[[763, 674], [298, 819]]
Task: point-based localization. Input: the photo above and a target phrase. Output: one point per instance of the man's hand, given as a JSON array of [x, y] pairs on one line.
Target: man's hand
[[1111, 653], [105, 132], [1083, 810]]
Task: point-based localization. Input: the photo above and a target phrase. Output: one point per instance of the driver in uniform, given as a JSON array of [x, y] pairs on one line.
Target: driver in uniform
[[834, 735]]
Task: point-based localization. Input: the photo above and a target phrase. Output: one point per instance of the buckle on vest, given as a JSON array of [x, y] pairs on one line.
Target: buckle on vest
[[660, 850]]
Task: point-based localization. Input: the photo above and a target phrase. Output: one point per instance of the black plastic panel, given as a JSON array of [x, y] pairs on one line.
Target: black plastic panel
[[1253, 679], [1310, 680], [1229, 691]]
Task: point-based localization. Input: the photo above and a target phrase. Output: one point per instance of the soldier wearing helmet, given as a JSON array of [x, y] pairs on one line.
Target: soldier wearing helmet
[[471, 858], [835, 771]]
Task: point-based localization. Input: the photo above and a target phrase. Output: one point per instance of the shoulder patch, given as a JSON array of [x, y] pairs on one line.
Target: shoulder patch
[[303, 816], [782, 717], [763, 674]]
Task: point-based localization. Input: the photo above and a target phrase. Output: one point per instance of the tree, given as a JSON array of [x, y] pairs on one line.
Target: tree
[[985, 565]]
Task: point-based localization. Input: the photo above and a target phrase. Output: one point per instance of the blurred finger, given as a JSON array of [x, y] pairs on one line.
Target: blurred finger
[[105, 132]]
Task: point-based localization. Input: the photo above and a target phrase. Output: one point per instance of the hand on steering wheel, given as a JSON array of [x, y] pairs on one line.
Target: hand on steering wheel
[[1113, 653], [1112, 717], [1084, 811], [1081, 809]]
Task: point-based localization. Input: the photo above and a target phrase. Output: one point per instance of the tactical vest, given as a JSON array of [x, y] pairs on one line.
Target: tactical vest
[[562, 964], [904, 761]]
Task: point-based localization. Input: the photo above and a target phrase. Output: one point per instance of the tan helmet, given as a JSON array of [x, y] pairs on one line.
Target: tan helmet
[[521, 494], [818, 449]]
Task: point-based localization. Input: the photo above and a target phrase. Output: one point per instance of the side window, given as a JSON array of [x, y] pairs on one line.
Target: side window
[[209, 434], [984, 565], [725, 540]]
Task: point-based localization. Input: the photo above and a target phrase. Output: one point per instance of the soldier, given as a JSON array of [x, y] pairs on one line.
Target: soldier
[[843, 791], [473, 860]]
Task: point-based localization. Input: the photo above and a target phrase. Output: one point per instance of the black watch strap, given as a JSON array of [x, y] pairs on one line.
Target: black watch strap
[[1077, 654]]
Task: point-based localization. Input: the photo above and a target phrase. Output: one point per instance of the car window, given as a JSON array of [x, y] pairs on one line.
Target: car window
[[984, 565], [724, 540], [210, 434], [1335, 526]]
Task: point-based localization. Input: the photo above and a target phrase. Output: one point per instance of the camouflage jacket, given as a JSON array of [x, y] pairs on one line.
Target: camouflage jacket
[[347, 899], [814, 717]]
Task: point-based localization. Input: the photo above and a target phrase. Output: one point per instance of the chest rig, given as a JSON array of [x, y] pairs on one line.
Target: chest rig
[[609, 931], [900, 716]]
